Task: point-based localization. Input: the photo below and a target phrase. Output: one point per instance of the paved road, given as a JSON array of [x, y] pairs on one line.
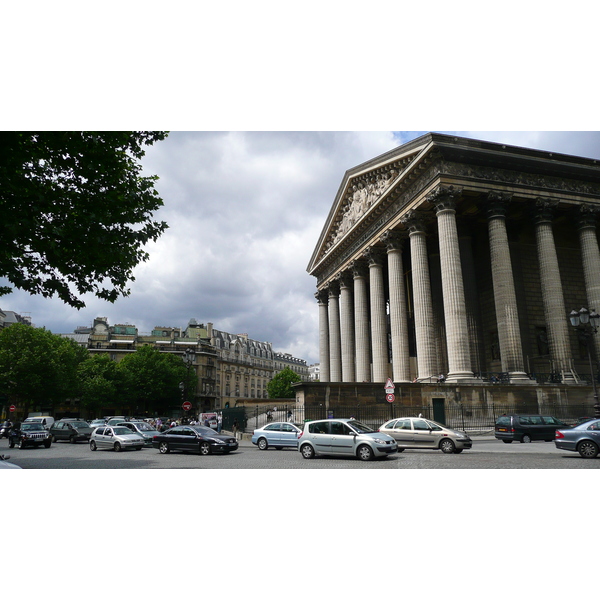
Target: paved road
[[485, 454]]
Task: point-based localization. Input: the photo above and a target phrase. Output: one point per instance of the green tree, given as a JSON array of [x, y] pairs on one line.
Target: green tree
[[38, 368], [76, 212], [281, 385], [100, 383], [152, 378]]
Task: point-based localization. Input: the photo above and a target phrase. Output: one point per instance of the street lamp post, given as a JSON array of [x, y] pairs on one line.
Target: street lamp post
[[587, 324], [188, 359]]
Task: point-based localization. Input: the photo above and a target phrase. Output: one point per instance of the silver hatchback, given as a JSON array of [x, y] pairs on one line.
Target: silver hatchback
[[344, 437], [417, 432], [115, 438]]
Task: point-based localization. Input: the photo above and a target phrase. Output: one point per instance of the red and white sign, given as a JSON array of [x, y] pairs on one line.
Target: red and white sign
[[389, 386], [12, 408], [390, 397], [186, 405]]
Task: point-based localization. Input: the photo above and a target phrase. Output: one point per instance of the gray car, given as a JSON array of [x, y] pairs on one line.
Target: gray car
[[417, 432], [344, 437], [115, 438], [584, 438], [277, 435], [144, 429]]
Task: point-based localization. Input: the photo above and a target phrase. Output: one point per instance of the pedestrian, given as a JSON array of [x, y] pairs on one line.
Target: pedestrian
[[289, 416], [219, 422], [235, 427]]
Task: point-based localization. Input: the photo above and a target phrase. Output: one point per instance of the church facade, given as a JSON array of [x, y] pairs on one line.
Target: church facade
[[457, 260]]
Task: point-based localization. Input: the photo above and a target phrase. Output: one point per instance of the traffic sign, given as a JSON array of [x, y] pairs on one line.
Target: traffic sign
[[187, 405], [12, 408], [389, 386], [390, 397]]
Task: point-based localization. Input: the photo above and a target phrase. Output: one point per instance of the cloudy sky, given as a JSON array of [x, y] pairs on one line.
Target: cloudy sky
[[245, 211]]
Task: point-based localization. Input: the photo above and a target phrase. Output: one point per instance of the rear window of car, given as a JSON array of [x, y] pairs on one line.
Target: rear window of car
[[504, 420]]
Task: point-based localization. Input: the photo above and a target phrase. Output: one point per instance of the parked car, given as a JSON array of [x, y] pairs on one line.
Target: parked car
[[194, 438], [115, 420], [144, 429], [4, 464], [278, 435], [345, 437], [525, 428], [583, 438], [71, 430], [416, 432], [97, 423], [115, 438], [29, 434], [46, 421]]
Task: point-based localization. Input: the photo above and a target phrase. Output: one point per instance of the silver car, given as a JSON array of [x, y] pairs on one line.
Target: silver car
[[144, 429], [344, 437], [584, 438], [417, 432], [115, 438], [278, 435]]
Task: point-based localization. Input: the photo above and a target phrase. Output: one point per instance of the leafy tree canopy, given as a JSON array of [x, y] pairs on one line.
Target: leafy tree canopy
[[76, 212], [281, 385]]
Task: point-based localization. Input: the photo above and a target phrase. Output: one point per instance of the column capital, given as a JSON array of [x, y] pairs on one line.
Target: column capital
[[544, 210], [359, 268], [345, 278], [587, 216], [497, 203], [444, 197], [322, 296], [415, 221], [375, 256], [334, 288], [393, 239]]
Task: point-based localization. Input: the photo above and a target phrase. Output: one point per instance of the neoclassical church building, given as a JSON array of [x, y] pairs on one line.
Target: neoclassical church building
[[464, 258]]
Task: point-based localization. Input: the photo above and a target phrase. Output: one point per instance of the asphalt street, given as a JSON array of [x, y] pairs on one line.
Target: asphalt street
[[487, 453]]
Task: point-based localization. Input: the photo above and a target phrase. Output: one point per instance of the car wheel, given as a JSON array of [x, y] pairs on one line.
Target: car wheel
[[93, 446], [307, 451], [47, 443], [447, 446], [507, 441], [587, 449], [458, 450], [204, 448], [526, 439], [54, 440], [11, 443], [364, 452], [263, 444], [72, 439], [117, 447], [21, 444], [163, 448], [401, 449]]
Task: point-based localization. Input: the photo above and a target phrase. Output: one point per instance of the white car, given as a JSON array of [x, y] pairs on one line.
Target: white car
[[115, 438]]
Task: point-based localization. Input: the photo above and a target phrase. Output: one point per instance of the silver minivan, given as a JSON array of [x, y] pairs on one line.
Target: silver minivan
[[344, 437]]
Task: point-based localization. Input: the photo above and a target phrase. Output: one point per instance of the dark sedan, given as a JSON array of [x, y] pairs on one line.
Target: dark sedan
[[193, 438], [583, 438], [71, 430]]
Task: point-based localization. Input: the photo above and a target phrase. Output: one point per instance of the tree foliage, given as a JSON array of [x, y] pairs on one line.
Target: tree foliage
[[100, 382], [151, 378], [38, 367], [281, 385], [76, 212]]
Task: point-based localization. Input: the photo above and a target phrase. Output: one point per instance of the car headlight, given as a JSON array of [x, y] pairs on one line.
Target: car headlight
[[220, 441], [378, 441]]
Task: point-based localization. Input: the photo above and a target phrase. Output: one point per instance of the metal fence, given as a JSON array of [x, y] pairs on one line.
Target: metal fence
[[455, 415]]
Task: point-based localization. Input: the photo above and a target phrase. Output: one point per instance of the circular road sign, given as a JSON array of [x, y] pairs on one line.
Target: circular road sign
[[12, 408], [390, 397], [186, 405]]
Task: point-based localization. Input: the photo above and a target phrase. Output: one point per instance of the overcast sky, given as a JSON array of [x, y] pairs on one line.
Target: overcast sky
[[245, 211]]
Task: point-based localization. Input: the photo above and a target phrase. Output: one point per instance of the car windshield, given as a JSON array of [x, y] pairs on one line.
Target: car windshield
[[203, 430], [32, 427], [145, 427], [79, 424], [121, 431], [360, 427]]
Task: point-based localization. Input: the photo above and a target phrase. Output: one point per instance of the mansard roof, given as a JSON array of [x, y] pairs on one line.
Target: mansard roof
[[374, 192]]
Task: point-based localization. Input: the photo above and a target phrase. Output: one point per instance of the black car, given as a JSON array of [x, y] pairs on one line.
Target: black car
[[525, 428], [194, 438], [71, 430], [29, 434]]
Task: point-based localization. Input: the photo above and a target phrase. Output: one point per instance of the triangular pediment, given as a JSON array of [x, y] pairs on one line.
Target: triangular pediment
[[362, 189]]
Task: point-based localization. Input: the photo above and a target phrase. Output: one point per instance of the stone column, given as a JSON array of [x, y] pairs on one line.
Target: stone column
[[379, 337], [322, 297], [423, 307], [399, 326], [455, 312], [361, 321], [590, 255], [335, 343], [505, 298], [347, 322], [552, 293]]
